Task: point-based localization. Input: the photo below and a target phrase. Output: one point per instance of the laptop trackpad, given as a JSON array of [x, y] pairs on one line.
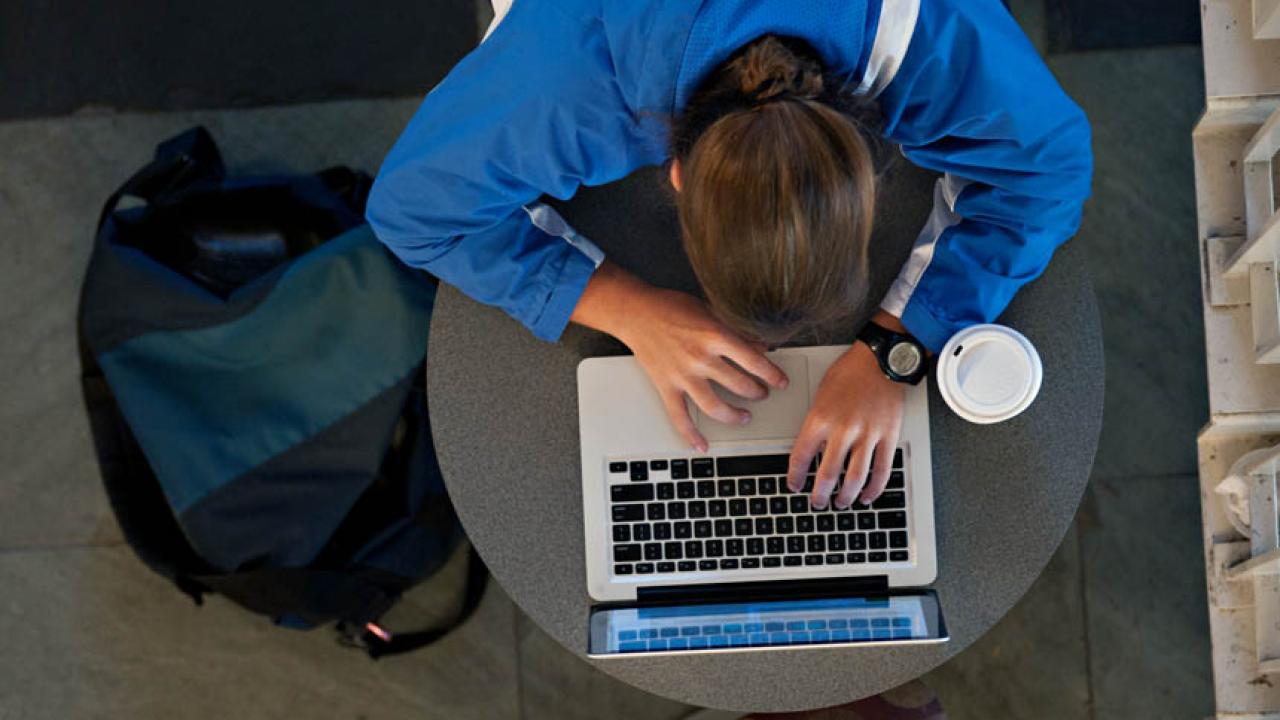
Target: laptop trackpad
[[777, 417]]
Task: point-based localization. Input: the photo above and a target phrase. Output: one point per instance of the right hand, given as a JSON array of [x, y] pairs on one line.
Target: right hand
[[681, 346]]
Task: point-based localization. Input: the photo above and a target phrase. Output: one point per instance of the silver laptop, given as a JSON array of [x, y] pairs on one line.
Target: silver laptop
[[690, 552]]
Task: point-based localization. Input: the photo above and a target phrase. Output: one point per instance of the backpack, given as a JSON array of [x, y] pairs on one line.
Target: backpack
[[252, 363]]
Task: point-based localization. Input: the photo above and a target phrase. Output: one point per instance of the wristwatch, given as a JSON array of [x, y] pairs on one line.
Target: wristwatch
[[902, 358]]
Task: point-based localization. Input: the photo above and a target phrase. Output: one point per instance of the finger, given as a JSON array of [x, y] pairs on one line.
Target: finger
[[855, 474], [678, 411], [806, 446], [714, 406], [829, 469], [880, 468], [754, 362], [736, 381]]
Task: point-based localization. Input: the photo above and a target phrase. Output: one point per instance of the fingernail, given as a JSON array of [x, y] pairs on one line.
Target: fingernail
[[700, 447], [744, 418], [783, 385]]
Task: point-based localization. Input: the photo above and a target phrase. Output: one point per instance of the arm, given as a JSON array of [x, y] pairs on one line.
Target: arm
[[520, 117], [973, 100]]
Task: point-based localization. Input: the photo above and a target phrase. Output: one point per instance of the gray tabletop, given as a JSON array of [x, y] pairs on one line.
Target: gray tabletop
[[504, 417]]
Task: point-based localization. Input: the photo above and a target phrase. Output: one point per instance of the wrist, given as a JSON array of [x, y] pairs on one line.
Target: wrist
[[889, 322], [612, 302]]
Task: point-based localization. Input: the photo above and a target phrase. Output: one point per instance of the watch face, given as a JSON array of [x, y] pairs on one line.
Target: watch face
[[905, 359]]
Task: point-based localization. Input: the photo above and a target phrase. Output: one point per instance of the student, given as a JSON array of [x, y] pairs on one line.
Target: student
[[761, 109]]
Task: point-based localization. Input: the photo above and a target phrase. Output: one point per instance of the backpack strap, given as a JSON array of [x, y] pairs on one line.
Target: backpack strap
[[179, 161]]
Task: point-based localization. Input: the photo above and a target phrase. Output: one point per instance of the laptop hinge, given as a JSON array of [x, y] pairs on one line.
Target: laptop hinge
[[770, 590]]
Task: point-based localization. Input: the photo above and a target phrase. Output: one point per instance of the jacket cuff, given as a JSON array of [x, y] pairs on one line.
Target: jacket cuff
[[565, 293], [929, 330]]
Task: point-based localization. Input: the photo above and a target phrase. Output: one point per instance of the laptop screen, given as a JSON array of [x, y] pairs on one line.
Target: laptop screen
[[908, 617]]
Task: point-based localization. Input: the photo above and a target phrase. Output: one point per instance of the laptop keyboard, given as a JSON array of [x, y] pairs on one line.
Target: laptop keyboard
[[683, 515]]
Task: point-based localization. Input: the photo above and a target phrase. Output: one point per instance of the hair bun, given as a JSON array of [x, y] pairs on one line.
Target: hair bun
[[770, 69]]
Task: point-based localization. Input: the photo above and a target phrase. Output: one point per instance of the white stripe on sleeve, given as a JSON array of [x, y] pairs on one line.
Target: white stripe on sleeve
[[945, 193], [546, 219], [893, 37]]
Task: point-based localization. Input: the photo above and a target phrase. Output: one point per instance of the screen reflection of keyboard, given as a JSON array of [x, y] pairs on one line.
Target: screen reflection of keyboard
[[757, 634]]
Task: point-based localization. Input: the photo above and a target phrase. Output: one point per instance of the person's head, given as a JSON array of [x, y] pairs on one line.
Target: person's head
[[776, 191]]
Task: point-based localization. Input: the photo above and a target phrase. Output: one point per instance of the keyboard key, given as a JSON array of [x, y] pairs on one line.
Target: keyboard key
[[644, 568], [804, 524], [877, 557], [785, 524], [897, 480], [697, 642], [706, 489], [724, 528], [693, 549], [799, 503], [657, 465], [679, 469], [835, 543], [630, 493], [628, 513], [662, 531], [755, 546], [795, 544], [621, 569], [728, 564], [697, 509], [838, 623], [816, 625], [898, 539], [657, 511], [826, 523], [714, 548], [640, 533], [893, 520], [738, 507], [733, 547], [812, 559], [817, 544], [617, 467], [742, 527], [678, 643], [835, 559], [752, 465], [727, 488], [856, 557], [653, 551], [717, 508], [639, 471], [776, 546], [750, 563], [890, 501], [879, 541], [746, 486], [666, 567], [857, 541], [768, 486], [792, 560], [686, 490], [683, 530], [898, 556], [666, 491], [866, 521], [673, 550], [845, 521], [704, 468], [764, 526], [897, 458], [705, 565], [633, 646], [686, 566], [759, 506], [771, 562], [621, 533], [676, 510], [778, 505], [702, 529]]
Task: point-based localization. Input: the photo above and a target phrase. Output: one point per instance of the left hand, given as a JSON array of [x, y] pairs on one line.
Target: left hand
[[857, 413]]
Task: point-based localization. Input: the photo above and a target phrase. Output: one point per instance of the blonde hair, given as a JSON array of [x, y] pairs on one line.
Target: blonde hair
[[778, 193]]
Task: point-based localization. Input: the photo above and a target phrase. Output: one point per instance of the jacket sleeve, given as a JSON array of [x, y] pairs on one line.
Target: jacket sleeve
[[458, 194], [973, 100]]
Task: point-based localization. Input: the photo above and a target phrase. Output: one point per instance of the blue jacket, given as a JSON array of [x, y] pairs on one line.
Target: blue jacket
[[566, 93]]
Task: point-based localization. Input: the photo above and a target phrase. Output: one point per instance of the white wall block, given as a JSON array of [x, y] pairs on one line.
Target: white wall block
[[1235, 63], [1266, 19], [1265, 299]]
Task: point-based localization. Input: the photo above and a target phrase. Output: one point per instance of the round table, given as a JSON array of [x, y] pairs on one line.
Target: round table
[[504, 418]]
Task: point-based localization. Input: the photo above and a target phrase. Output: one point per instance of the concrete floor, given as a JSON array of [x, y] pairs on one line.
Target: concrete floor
[[1115, 628]]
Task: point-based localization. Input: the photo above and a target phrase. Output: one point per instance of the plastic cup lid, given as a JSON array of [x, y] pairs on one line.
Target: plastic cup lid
[[989, 373]]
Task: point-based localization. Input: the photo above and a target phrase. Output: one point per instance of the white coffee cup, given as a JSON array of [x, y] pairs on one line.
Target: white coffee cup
[[989, 373]]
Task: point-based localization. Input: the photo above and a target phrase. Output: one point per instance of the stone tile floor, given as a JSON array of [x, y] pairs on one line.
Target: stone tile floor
[[1115, 628]]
